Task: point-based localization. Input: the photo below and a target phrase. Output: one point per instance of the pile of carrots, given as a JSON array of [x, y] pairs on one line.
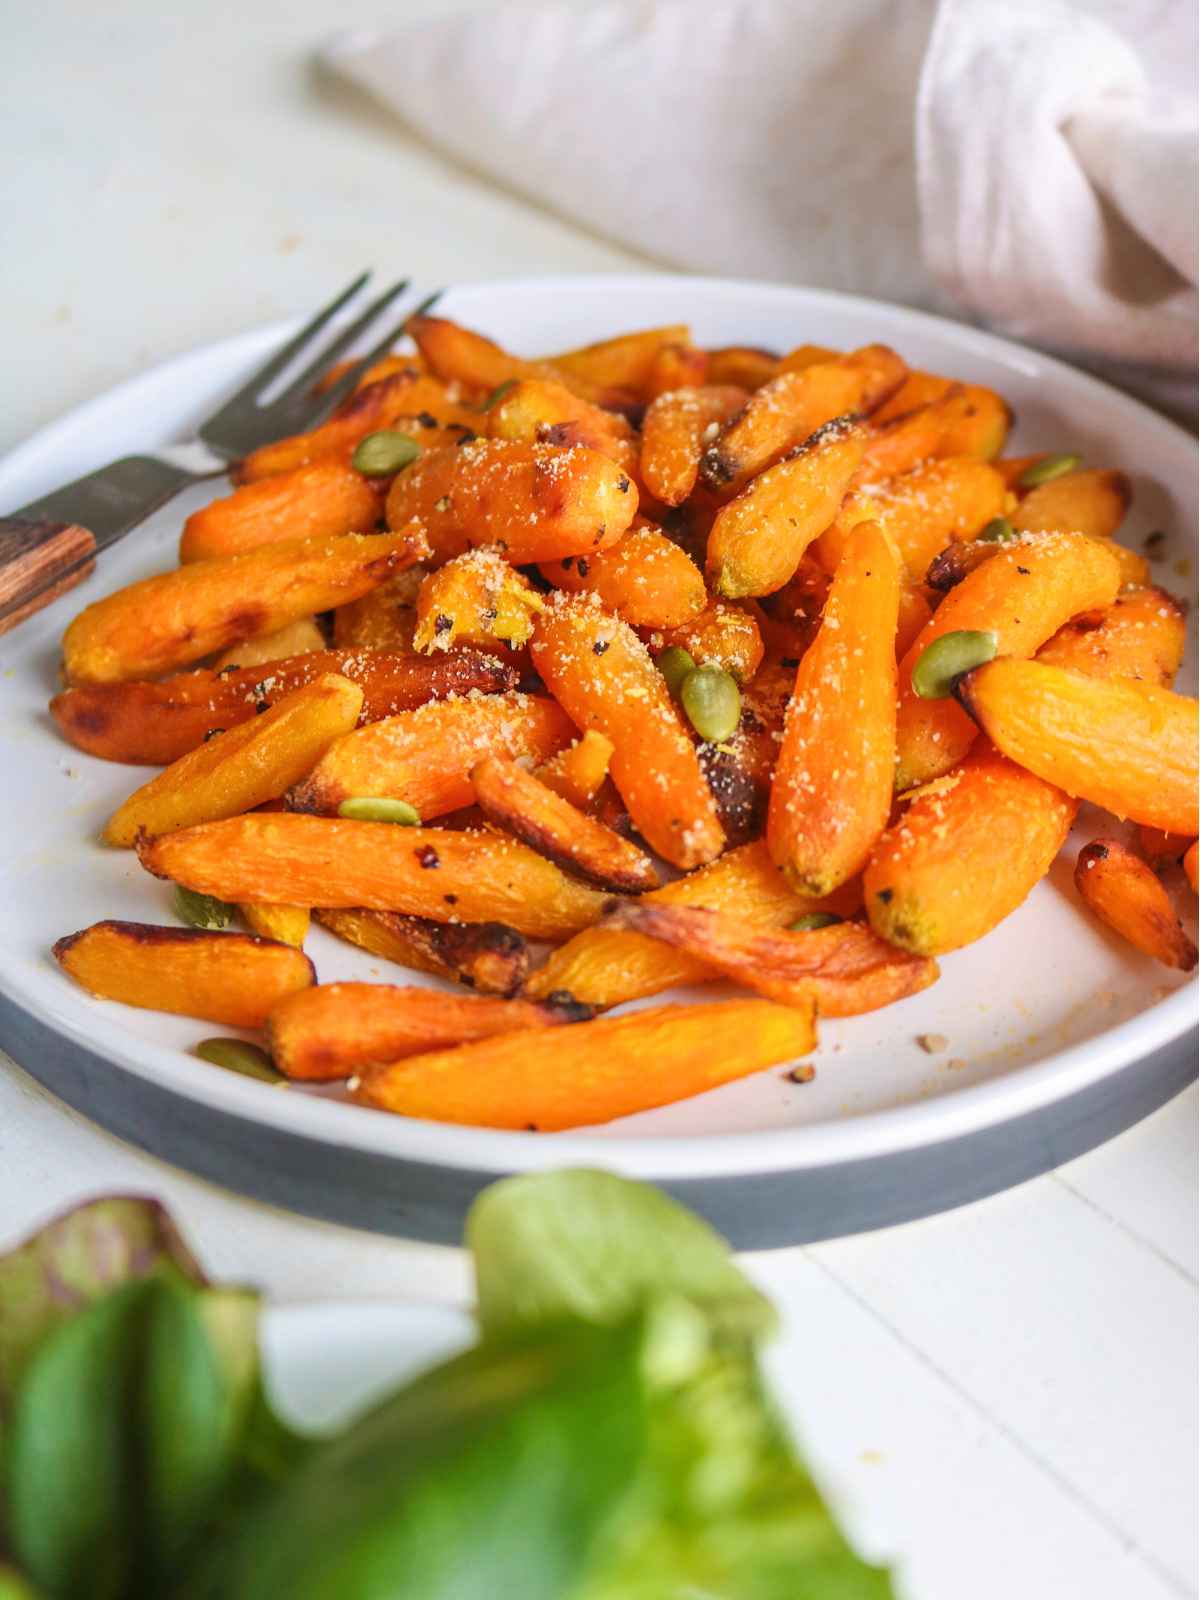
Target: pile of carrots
[[688, 663]]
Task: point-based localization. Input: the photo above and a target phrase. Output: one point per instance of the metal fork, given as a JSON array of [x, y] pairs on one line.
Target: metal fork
[[49, 545]]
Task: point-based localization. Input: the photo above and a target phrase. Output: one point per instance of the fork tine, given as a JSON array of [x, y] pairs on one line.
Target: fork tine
[[292, 349], [427, 304], [304, 381], [346, 384]]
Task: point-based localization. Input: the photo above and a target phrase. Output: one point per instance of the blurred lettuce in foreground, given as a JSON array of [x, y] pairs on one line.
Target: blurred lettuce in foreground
[[608, 1438]]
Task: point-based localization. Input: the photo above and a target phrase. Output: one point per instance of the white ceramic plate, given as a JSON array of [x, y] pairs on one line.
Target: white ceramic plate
[[1058, 1034]]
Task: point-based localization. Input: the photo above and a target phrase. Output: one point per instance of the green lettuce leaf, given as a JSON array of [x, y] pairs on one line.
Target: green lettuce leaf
[[495, 1474], [548, 1246], [74, 1260]]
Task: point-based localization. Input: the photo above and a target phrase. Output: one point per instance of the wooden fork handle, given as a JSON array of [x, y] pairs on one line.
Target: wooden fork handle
[[38, 562]]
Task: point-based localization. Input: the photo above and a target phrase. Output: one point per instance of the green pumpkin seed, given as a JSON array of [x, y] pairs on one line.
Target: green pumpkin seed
[[999, 531], [202, 910], [675, 664], [235, 1055], [365, 808], [381, 454], [1046, 471], [811, 920], [942, 663], [713, 703]]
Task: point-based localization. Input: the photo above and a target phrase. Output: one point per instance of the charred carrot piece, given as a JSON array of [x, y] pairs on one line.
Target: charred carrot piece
[[517, 801], [152, 724], [921, 511], [426, 756], [533, 502], [645, 578], [793, 406], [1125, 745], [168, 621], [1191, 865], [1140, 635], [673, 436], [606, 966], [965, 853], [845, 968], [232, 978], [757, 540], [488, 956], [332, 862], [577, 772], [1023, 595], [242, 768], [331, 1031], [611, 1068], [1124, 893], [313, 502], [832, 789], [602, 675]]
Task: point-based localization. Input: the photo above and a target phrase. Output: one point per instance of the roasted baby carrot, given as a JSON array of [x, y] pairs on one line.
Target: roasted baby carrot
[[533, 502], [602, 675], [332, 862], [611, 1067], [531, 408], [151, 724], [1023, 595], [223, 977], [476, 599], [792, 406], [745, 366], [425, 756], [1161, 849], [845, 968], [384, 619], [626, 362], [334, 1029], [175, 618], [515, 800], [673, 436], [645, 578], [297, 638], [921, 511], [1191, 865], [1126, 745], [577, 772], [458, 355], [1124, 893], [406, 401], [964, 854], [314, 502], [488, 956], [757, 540], [243, 767], [1080, 502], [286, 924], [832, 789], [1140, 635], [607, 966], [675, 366], [722, 635]]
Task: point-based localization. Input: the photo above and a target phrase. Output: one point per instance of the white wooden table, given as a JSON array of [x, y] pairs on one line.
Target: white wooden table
[[1004, 1397]]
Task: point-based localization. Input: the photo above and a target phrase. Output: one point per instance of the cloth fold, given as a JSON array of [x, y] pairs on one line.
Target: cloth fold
[[1027, 164]]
